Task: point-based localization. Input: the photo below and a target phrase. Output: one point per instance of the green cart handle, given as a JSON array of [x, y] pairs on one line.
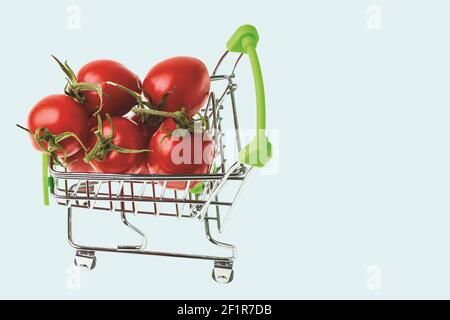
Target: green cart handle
[[45, 178], [258, 152]]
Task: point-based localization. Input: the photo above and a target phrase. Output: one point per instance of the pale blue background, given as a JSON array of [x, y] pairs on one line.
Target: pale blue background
[[364, 127]]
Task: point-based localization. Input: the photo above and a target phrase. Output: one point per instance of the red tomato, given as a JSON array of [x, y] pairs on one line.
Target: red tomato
[[93, 122], [75, 163], [186, 80], [148, 127], [192, 153], [60, 113], [116, 102], [141, 169], [127, 135]]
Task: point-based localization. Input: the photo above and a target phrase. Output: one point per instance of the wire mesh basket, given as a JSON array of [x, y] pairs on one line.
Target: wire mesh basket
[[131, 194]]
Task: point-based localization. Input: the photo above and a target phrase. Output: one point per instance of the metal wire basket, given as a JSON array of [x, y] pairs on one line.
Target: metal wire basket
[[129, 194]]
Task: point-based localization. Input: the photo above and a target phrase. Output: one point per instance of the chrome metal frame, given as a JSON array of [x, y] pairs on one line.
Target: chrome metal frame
[[148, 194]]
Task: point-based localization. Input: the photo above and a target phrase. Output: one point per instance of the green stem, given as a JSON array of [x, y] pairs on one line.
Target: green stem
[[79, 87], [165, 114], [23, 128], [104, 145], [75, 89], [68, 134], [134, 94], [71, 77], [123, 150]]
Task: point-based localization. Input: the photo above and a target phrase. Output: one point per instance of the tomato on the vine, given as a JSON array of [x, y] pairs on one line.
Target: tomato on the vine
[[91, 83], [58, 117], [178, 151], [115, 101], [120, 147], [184, 80]]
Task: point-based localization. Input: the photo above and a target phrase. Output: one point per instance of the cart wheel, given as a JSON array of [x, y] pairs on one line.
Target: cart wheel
[[223, 272], [85, 260]]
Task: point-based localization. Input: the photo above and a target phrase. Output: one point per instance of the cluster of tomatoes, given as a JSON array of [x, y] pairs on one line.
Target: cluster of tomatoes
[[109, 121]]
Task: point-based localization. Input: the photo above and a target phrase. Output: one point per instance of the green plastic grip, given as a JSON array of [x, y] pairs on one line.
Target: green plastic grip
[[258, 152], [45, 178]]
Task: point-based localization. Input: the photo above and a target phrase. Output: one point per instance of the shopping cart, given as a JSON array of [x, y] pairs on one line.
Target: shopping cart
[[129, 194]]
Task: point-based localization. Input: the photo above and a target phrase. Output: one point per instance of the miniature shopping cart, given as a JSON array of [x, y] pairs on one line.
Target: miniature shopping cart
[[129, 194]]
